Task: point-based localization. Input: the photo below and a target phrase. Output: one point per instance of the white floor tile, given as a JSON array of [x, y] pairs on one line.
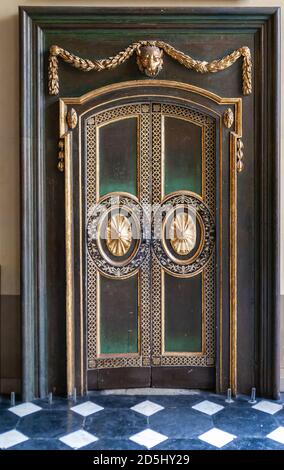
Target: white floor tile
[[11, 438], [87, 408], [25, 409], [268, 407], [277, 435], [148, 438], [216, 437], [208, 407], [147, 408], [78, 439]]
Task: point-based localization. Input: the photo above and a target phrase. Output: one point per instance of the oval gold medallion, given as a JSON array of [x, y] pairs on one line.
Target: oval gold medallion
[[182, 233], [118, 235]]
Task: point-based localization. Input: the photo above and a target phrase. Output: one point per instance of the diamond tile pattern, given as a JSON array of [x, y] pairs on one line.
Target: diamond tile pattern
[[24, 409], [199, 420], [267, 407], [217, 437], [208, 407], [147, 408], [11, 438], [78, 439], [277, 435], [148, 438], [87, 408]]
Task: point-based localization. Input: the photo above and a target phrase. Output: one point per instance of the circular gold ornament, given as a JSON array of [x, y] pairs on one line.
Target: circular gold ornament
[[182, 233], [118, 235]]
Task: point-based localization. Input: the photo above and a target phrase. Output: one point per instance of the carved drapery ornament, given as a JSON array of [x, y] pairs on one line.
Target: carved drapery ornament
[[150, 61]]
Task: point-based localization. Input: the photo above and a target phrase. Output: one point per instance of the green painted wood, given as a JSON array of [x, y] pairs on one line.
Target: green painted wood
[[119, 315], [183, 156], [118, 145], [183, 314]]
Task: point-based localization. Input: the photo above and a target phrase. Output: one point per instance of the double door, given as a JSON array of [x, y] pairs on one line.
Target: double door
[[144, 209]]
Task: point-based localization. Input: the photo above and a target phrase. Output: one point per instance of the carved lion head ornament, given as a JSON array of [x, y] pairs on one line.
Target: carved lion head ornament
[[150, 60]]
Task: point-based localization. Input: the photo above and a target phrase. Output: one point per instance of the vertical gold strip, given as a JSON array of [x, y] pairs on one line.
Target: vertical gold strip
[[83, 385], [139, 349], [69, 266], [233, 264], [203, 323], [203, 163], [138, 158], [221, 259], [97, 191], [98, 287], [162, 156], [162, 274]]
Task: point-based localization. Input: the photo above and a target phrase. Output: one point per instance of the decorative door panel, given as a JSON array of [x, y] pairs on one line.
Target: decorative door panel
[[155, 230], [117, 173], [184, 262]]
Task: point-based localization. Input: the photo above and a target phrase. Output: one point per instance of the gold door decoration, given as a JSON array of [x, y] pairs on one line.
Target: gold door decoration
[[118, 235], [182, 234], [150, 121], [149, 56]]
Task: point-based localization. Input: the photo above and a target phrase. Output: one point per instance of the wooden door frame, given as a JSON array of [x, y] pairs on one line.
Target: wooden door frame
[[35, 21]]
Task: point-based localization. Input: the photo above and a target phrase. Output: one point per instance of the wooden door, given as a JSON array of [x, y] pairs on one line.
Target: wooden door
[[147, 218]]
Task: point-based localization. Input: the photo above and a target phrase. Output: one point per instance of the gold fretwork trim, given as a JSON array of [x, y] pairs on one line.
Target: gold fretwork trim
[[110, 63]]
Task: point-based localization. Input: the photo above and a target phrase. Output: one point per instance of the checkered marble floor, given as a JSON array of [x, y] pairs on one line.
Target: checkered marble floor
[[199, 420]]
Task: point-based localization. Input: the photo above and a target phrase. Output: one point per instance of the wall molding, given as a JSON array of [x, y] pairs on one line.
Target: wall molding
[[35, 21]]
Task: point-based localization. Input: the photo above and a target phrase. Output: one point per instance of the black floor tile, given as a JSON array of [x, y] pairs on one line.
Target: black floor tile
[[41, 444], [245, 421], [175, 401], [49, 424], [253, 444], [115, 423], [180, 423], [117, 401], [113, 444], [184, 444], [8, 420]]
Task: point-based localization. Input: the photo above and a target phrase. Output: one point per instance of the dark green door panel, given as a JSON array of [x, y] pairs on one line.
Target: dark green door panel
[[183, 155], [118, 145]]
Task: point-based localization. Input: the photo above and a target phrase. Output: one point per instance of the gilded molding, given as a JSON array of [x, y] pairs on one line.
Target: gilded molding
[[240, 155], [60, 164], [72, 118], [228, 118], [149, 62]]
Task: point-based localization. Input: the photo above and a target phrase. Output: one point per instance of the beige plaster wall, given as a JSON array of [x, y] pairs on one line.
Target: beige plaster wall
[[9, 125]]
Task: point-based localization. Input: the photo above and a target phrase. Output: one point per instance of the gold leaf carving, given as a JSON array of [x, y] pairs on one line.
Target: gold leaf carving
[[182, 233], [228, 118], [150, 64], [118, 235]]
